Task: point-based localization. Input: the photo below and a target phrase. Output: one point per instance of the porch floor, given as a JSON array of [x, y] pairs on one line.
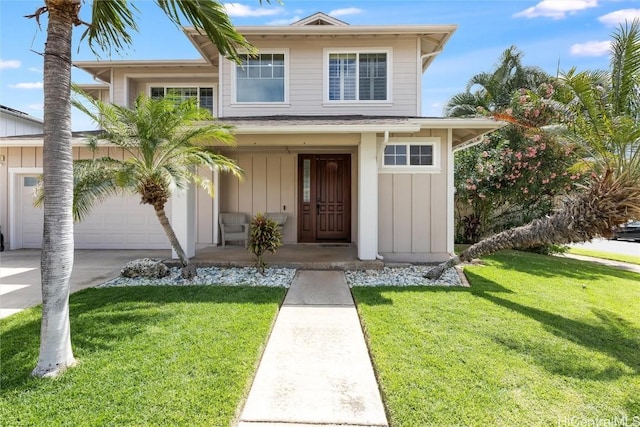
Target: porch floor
[[324, 256]]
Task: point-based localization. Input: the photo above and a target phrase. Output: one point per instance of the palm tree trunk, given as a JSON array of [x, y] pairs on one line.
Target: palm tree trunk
[[607, 202], [188, 270], [57, 243]]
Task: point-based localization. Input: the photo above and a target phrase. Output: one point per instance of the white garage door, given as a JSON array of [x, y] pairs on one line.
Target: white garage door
[[116, 223]]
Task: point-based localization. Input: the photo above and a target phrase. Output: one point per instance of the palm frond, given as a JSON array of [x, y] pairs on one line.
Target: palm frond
[[209, 18], [111, 25], [625, 67]]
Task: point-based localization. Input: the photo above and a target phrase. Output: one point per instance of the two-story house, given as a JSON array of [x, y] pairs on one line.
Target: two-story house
[[329, 130]]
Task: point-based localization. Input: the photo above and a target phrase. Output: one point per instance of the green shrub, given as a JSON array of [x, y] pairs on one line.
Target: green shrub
[[547, 249], [264, 235]]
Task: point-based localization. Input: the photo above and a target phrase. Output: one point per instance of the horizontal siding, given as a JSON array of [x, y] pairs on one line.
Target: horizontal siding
[[306, 85], [131, 82]]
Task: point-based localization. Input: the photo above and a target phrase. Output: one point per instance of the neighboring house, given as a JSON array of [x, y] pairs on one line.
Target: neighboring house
[[14, 122], [328, 126]]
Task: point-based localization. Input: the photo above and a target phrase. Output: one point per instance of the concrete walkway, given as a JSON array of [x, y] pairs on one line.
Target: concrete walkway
[[316, 368], [610, 263]]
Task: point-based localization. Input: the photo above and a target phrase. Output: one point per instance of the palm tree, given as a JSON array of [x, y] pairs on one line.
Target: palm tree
[[110, 27], [601, 111], [491, 92], [485, 206], [164, 142]]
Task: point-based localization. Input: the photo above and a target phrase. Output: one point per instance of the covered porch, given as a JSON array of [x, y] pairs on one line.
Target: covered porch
[[329, 256]]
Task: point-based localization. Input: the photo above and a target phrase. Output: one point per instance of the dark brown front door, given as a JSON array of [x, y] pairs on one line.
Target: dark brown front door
[[324, 181]]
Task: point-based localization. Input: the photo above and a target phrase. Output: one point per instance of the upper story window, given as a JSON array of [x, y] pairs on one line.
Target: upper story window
[[358, 76], [204, 95], [419, 154], [261, 78]]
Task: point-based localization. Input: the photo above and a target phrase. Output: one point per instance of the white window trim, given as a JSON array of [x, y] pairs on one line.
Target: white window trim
[[325, 76], [234, 84], [164, 85], [435, 142]]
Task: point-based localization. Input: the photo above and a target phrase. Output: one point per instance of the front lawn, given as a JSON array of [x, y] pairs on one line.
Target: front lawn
[[148, 356], [536, 340]]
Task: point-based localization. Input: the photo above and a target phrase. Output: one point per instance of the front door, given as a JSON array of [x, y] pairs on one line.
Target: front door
[[324, 182]]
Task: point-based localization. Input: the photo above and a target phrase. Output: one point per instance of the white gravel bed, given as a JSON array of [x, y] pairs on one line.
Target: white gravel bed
[[236, 276], [401, 276], [282, 277]]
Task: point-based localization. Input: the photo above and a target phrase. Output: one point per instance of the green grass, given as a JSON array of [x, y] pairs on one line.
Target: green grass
[[149, 356], [527, 344], [606, 255]]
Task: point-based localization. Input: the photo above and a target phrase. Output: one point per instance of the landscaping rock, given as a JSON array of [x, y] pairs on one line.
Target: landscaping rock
[[145, 267]]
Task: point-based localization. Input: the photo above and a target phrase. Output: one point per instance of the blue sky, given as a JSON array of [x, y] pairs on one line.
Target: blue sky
[[553, 34]]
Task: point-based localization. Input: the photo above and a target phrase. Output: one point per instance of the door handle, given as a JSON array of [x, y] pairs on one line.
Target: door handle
[[318, 209]]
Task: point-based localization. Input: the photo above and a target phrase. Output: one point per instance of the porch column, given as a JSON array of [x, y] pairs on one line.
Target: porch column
[[216, 206], [183, 219], [451, 189], [367, 197]]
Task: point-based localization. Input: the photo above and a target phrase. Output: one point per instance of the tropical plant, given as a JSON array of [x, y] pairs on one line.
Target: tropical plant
[[516, 173], [164, 147], [110, 27], [601, 112], [264, 235], [492, 92], [513, 175]]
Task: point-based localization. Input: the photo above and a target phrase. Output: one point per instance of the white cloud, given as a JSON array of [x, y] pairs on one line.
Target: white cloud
[[11, 63], [33, 85], [592, 48], [619, 16], [36, 107], [284, 21], [345, 11], [35, 69], [241, 10], [556, 9]]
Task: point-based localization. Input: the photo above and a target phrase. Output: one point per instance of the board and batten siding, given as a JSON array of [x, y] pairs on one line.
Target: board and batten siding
[[269, 185], [412, 214], [306, 73]]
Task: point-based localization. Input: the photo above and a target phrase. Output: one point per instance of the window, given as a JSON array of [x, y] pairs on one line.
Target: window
[[204, 95], [410, 154], [358, 76], [419, 155], [261, 78]]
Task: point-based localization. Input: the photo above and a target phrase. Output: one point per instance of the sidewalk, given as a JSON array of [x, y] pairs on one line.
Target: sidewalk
[[316, 368], [611, 263]]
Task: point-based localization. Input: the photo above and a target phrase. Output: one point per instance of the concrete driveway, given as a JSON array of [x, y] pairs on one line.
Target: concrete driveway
[[20, 273]]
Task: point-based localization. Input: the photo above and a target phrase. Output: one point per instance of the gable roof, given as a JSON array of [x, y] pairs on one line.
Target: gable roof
[[319, 18]]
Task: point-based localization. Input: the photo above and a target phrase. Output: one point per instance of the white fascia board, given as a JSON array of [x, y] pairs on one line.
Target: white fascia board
[[459, 123], [37, 142], [347, 29], [257, 129], [140, 62]]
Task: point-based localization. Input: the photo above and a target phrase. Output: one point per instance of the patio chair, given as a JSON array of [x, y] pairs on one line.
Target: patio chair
[[234, 227], [279, 217]]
